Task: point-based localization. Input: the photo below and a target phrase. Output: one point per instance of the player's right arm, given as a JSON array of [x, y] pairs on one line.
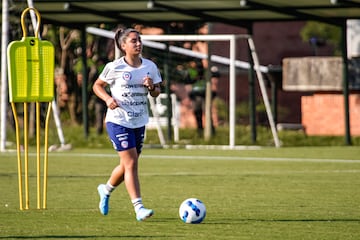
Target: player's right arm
[[99, 90]]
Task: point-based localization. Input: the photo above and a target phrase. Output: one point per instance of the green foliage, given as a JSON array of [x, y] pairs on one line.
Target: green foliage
[[222, 110], [330, 33]]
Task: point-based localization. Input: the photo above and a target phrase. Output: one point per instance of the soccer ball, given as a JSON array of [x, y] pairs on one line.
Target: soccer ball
[[192, 210]]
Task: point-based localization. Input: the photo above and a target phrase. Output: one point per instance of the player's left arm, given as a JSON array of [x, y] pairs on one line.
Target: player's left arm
[[155, 90], [154, 87]]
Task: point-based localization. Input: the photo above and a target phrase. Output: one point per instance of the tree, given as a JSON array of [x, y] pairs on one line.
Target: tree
[[321, 33]]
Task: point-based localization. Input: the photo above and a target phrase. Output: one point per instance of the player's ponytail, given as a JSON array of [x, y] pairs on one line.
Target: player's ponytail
[[118, 34]]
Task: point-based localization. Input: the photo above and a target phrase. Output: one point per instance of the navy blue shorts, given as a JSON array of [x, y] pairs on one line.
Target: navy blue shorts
[[124, 138]]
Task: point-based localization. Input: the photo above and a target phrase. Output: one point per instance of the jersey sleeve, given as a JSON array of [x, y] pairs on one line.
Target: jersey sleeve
[[107, 74], [156, 75]]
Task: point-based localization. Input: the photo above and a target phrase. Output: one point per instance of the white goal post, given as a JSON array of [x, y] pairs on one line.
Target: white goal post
[[154, 41]]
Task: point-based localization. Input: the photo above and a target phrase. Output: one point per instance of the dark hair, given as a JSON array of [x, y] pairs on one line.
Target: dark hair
[[121, 36]]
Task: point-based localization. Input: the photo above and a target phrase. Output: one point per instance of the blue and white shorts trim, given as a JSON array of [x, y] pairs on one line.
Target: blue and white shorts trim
[[124, 138]]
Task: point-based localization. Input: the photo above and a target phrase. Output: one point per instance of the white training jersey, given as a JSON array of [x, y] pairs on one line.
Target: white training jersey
[[126, 86]]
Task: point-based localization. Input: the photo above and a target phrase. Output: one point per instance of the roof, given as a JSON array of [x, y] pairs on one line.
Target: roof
[[234, 12]]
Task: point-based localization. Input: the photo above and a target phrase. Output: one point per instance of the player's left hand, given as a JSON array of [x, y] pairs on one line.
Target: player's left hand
[[148, 82]]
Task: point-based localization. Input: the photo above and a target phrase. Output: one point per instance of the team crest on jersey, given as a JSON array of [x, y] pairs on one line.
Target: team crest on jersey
[[127, 76]]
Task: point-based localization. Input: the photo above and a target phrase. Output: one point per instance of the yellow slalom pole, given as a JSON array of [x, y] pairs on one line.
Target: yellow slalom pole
[[13, 107], [26, 158], [46, 154], [38, 173]]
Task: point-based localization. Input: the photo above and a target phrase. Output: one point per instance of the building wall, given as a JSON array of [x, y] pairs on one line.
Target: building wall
[[323, 114]]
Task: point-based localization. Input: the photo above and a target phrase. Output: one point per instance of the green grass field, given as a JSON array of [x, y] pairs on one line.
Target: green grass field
[[287, 193]]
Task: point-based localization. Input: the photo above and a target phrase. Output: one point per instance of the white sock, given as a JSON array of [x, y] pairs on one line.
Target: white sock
[[137, 203], [109, 188]]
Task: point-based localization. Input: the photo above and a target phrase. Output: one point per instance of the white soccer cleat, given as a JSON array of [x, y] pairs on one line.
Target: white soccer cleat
[[104, 200], [144, 213]]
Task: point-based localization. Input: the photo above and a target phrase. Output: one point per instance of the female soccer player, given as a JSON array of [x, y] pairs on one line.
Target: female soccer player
[[130, 79]]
